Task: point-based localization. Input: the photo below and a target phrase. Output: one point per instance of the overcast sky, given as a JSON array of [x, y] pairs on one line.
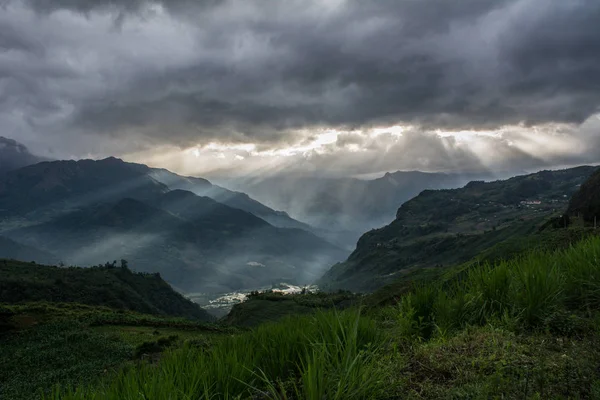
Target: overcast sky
[[344, 87]]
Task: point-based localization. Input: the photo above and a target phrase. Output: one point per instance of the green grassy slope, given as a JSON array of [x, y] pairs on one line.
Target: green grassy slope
[[114, 287], [514, 244], [268, 306], [522, 329], [43, 344]]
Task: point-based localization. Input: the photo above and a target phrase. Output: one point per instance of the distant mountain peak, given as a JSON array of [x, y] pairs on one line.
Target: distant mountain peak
[[75, 183], [202, 187], [111, 159]]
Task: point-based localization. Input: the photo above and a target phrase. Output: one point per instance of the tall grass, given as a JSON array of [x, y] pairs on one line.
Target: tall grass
[[333, 355], [329, 355], [530, 290]]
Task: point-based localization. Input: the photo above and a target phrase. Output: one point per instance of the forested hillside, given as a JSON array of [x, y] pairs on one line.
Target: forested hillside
[[111, 285]]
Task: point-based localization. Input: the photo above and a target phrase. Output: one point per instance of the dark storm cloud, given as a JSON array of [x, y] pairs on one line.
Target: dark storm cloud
[[403, 61], [126, 6], [256, 71]]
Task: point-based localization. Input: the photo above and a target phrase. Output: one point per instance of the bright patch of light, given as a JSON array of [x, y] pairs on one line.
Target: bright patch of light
[[378, 148], [325, 138], [353, 147], [395, 130], [319, 142], [466, 136], [249, 147]]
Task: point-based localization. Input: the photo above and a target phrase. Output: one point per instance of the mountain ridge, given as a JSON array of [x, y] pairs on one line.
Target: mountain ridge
[[15, 156], [243, 201], [85, 211], [441, 227]]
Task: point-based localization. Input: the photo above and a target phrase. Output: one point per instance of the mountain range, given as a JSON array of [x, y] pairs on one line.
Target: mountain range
[[9, 249], [439, 228], [87, 212], [203, 187], [205, 238]]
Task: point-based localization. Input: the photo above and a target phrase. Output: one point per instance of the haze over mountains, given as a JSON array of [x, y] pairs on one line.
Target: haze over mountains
[[202, 237], [357, 199], [349, 205], [203, 187], [84, 212]]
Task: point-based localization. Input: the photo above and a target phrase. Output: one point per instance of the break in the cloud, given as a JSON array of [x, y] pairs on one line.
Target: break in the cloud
[[223, 85]]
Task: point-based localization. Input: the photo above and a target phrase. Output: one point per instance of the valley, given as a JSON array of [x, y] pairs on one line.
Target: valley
[[344, 208], [118, 279], [299, 200]]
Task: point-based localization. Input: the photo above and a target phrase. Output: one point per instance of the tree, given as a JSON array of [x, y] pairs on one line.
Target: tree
[[124, 264]]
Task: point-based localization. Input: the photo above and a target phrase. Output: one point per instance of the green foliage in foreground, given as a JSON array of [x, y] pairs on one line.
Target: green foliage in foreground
[[325, 356], [515, 246], [492, 362], [523, 329], [58, 352], [42, 344], [539, 289]]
